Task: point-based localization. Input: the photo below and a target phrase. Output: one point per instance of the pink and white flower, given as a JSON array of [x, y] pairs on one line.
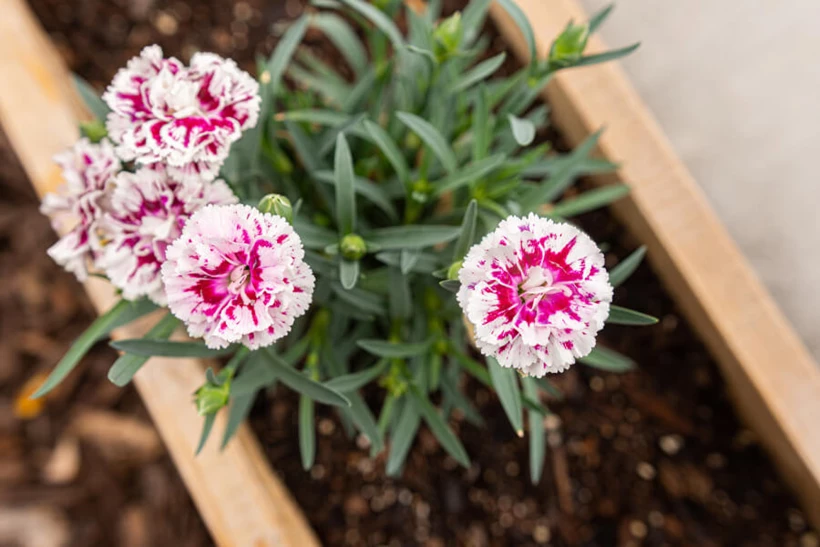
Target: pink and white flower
[[76, 208], [237, 275], [536, 292], [186, 117], [147, 211]]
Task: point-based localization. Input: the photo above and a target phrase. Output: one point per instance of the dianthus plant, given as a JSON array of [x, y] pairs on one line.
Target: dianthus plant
[[369, 232]]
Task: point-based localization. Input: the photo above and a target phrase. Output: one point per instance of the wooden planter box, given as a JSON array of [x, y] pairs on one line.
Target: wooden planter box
[[774, 380]]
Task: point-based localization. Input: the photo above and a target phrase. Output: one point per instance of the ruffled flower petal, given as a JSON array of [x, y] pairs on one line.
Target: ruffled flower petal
[[185, 117], [536, 292], [146, 212], [237, 275], [78, 205]]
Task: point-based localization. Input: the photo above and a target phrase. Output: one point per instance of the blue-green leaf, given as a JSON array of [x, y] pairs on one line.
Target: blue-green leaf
[[608, 360], [467, 235], [626, 267], [344, 38], [166, 348], [348, 273], [624, 316], [478, 73], [239, 410], [389, 148], [91, 99], [432, 138], [301, 383], [345, 187], [591, 200], [394, 350], [469, 174], [402, 438], [126, 366], [606, 56], [378, 18], [439, 428], [520, 19], [307, 433], [312, 235], [523, 130], [207, 426], [283, 53], [506, 386], [537, 438], [351, 382], [411, 236]]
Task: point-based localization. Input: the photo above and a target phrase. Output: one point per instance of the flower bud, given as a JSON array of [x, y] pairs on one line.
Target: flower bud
[[455, 267], [95, 131], [276, 204], [448, 36], [211, 397], [352, 247], [569, 46]]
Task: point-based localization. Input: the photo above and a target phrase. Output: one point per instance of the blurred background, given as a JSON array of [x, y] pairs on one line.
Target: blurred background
[[87, 468]]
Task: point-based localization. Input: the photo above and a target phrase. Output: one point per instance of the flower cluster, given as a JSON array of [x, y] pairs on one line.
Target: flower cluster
[[536, 292], [183, 117]]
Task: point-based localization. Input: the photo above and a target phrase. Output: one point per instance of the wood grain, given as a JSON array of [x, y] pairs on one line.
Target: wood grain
[[774, 380], [240, 500]]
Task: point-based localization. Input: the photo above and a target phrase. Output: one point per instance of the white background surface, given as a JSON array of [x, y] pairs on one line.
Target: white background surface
[[735, 85]]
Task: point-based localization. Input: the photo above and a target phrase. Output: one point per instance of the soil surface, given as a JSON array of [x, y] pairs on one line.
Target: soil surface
[[654, 457]]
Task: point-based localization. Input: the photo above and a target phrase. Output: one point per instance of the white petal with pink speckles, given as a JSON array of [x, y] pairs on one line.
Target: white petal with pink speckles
[[536, 292], [237, 275], [185, 117], [79, 203], [147, 211]]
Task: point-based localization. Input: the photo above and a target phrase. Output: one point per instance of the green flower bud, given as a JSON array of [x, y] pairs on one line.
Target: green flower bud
[[281, 162], [455, 267], [352, 247], [276, 204], [448, 36], [569, 46], [95, 131], [420, 191], [211, 397]]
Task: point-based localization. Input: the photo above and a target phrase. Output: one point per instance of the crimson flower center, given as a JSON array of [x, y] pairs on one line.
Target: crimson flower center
[[239, 278]]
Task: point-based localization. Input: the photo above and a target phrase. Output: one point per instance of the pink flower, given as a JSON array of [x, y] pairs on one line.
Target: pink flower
[[536, 292], [237, 275], [147, 211], [186, 117], [75, 210]]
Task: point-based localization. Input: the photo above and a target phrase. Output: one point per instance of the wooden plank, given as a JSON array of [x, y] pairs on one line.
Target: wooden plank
[[773, 378], [241, 501]]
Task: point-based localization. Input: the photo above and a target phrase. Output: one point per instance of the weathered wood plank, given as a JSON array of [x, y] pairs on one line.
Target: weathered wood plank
[[775, 381], [241, 501]]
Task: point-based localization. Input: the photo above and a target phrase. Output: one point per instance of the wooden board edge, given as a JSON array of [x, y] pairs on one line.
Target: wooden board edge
[[238, 496], [775, 381]]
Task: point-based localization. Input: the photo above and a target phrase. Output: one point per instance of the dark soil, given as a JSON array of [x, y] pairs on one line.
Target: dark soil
[[654, 457]]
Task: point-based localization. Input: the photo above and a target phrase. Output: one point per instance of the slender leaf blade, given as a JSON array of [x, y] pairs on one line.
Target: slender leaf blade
[[393, 350], [537, 437], [506, 386], [167, 348], [431, 136], [591, 200], [627, 267], [301, 383], [307, 433], [439, 427], [624, 316], [608, 360], [411, 236]]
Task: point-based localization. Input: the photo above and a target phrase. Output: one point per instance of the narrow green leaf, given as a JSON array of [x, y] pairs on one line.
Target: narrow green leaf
[[425, 263], [591, 200], [452, 285], [126, 366], [240, 408], [608, 360], [520, 19], [506, 385], [167, 348], [331, 90], [328, 118], [207, 426], [373, 192], [471, 173], [439, 427], [402, 438], [305, 148], [352, 382], [389, 148], [378, 18], [597, 20], [523, 130], [361, 299], [482, 127], [407, 260], [328, 140], [361, 416], [307, 433], [453, 396], [282, 55], [345, 188], [98, 329], [467, 235], [255, 375], [411, 236], [394, 350], [478, 73], [91, 98], [301, 383], [312, 235], [344, 38], [606, 56], [348, 273], [472, 18], [399, 299], [627, 267], [133, 311], [624, 316], [537, 438], [433, 138], [472, 367]]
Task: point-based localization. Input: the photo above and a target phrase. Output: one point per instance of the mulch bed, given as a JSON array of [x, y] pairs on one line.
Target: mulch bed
[[654, 457]]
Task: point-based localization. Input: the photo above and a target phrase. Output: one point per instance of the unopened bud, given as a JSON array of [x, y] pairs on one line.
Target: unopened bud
[[569, 46], [352, 247], [276, 204], [94, 131], [448, 36], [452, 272], [211, 397]]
